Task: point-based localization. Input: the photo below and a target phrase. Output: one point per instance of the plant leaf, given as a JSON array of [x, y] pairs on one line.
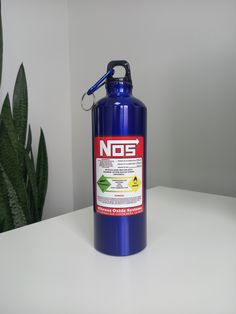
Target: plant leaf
[[7, 121], [29, 141], [28, 149], [20, 105], [5, 214], [18, 216], [33, 190], [2, 225], [1, 43], [42, 172], [10, 162]]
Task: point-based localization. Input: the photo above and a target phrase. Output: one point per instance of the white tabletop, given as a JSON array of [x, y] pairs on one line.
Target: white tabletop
[[189, 265]]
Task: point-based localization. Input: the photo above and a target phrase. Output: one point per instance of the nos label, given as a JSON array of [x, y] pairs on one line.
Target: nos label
[[119, 175]]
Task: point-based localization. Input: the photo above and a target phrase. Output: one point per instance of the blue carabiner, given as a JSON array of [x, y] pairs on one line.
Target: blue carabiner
[[100, 82]]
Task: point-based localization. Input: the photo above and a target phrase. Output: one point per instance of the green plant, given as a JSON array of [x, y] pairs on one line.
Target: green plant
[[23, 185]]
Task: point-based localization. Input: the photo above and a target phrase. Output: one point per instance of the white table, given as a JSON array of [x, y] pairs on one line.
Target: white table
[[189, 265]]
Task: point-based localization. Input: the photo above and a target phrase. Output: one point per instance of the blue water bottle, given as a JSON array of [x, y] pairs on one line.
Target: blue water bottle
[[119, 166]]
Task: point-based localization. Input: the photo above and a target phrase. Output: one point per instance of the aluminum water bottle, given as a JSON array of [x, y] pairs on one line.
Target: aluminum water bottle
[[119, 167]]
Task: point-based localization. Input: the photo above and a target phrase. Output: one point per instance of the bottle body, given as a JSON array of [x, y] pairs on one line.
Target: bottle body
[[119, 171]]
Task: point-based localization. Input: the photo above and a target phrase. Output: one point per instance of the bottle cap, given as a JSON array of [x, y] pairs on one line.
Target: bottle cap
[[123, 63]]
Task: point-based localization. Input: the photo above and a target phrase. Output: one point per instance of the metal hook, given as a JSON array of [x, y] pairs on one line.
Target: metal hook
[[82, 104], [96, 86]]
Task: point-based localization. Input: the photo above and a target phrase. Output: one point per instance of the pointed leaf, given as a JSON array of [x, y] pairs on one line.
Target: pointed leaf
[[28, 149], [20, 105], [5, 213], [1, 43], [7, 121], [42, 172], [18, 216], [29, 140], [33, 190], [10, 162], [2, 225]]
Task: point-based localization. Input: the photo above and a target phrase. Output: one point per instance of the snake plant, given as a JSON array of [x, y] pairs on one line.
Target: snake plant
[[23, 184]]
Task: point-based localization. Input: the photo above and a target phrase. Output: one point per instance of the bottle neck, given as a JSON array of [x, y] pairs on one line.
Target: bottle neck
[[119, 88]]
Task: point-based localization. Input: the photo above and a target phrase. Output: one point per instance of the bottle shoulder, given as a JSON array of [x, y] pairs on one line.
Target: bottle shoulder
[[138, 102], [119, 101]]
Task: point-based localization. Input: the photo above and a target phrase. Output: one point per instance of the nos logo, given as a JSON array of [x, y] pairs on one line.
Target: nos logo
[[118, 148]]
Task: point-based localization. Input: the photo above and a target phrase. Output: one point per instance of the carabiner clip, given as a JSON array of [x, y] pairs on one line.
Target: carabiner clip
[[100, 82], [96, 86]]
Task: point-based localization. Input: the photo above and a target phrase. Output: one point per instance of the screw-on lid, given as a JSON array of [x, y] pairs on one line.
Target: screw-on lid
[[125, 64]]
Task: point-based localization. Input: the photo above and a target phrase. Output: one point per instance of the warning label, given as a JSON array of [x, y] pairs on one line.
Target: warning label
[[119, 175]]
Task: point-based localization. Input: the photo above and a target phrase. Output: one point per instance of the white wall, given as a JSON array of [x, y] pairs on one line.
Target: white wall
[[182, 56], [36, 32]]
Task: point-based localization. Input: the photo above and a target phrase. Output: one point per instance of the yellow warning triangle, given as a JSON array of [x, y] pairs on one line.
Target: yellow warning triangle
[[134, 183]]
